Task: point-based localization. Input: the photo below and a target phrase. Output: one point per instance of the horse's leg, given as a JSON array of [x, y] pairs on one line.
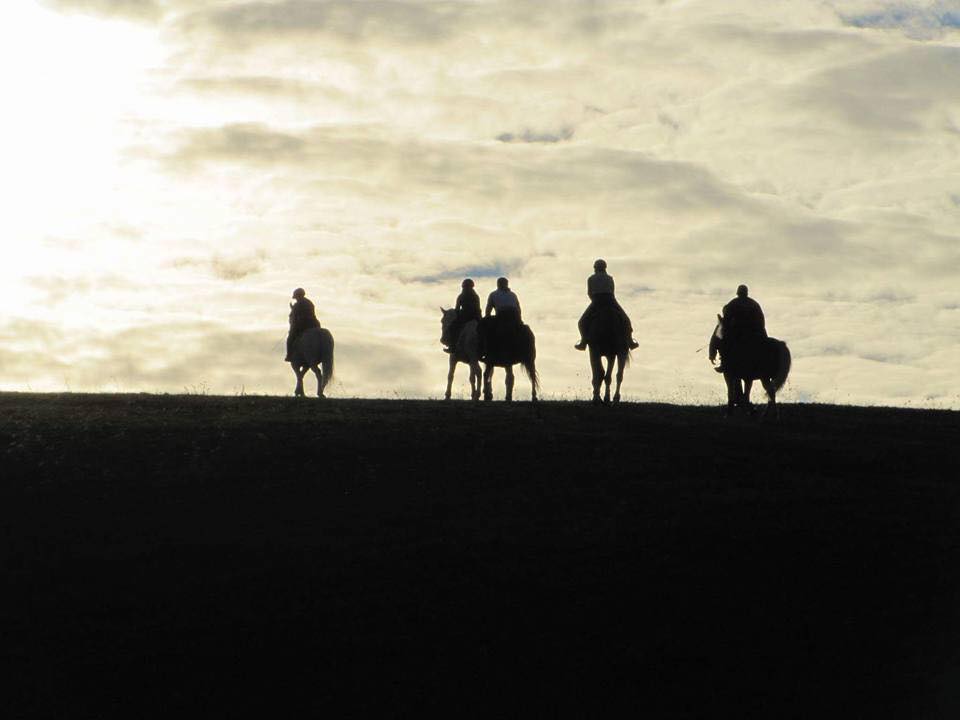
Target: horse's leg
[[533, 387], [320, 380], [475, 376], [733, 392], [596, 374], [488, 381], [607, 377], [747, 405], [772, 399], [298, 390], [621, 360], [453, 367], [509, 382]]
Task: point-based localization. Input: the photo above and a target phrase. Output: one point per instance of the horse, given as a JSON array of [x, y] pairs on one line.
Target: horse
[[767, 360], [607, 339], [466, 349], [313, 350], [505, 345]]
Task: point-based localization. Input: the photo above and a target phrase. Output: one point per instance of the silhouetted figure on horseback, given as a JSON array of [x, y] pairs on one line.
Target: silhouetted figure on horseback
[[303, 315], [506, 340], [600, 290], [744, 328], [607, 331], [467, 309], [746, 353], [309, 346]]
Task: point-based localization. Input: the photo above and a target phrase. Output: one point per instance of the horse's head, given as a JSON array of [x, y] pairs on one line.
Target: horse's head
[[716, 338], [447, 318]]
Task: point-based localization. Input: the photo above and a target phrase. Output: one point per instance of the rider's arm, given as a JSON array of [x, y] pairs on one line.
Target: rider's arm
[[486, 313]]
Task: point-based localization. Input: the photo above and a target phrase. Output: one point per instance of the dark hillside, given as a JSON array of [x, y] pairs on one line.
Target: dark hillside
[[229, 555]]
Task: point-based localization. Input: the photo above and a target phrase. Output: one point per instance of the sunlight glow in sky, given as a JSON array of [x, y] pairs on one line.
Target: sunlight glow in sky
[[174, 168]]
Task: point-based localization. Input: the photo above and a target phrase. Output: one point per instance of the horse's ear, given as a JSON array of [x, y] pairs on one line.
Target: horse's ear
[[719, 317], [442, 310]]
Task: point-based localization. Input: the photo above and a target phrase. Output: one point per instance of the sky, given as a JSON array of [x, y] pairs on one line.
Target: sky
[[173, 169]]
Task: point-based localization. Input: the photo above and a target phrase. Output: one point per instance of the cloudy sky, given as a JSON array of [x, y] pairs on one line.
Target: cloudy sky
[[172, 169]]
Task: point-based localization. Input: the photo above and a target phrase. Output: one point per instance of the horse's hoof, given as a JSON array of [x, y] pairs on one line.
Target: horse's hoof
[[446, 396], [597, 401], [616, 398]]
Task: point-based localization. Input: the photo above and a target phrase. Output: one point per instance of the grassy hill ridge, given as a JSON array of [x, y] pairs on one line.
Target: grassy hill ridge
[[236, 553]]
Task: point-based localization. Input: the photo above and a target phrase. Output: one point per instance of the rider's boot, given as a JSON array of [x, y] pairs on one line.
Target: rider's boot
[[582, 345], [634, 344]]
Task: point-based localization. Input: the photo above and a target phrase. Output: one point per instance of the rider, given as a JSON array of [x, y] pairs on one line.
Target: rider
[[743, 323], [600, 290], [504, 301], [468, 308], [303, 315]]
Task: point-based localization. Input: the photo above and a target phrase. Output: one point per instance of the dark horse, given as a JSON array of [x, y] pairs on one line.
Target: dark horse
[[766, 359], [607, 339], [505, 344]]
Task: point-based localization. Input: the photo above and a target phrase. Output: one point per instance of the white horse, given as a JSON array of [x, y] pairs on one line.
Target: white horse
[[465, 350], [313, 350]]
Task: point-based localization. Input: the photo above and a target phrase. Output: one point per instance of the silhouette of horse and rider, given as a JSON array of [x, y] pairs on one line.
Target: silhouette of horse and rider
[[606, 329], [747, 353], [309, 346], [499, 338]]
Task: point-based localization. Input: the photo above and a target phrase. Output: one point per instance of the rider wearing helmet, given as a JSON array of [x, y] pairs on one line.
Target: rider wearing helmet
[[743, 323], [303, 315], [468, 308], [600, 290]]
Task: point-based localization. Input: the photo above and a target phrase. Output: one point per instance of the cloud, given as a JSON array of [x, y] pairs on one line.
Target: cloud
[[57, 290], [917, 20], [141, 10], [897, 92], [530, 136], [397, 21], [225, 268], [492, 270]]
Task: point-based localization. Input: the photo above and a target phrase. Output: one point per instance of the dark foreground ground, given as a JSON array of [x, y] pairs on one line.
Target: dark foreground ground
[[263, 555]]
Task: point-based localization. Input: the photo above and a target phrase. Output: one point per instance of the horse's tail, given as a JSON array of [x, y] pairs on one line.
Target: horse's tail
[[326, 357], [783, 365], [529, 361]]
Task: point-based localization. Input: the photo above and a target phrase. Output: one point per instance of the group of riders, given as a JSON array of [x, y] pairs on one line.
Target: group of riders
[[743, 320]]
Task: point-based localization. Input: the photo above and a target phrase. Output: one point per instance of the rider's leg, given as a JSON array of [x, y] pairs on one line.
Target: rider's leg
[[289, 347], [582, 326]]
